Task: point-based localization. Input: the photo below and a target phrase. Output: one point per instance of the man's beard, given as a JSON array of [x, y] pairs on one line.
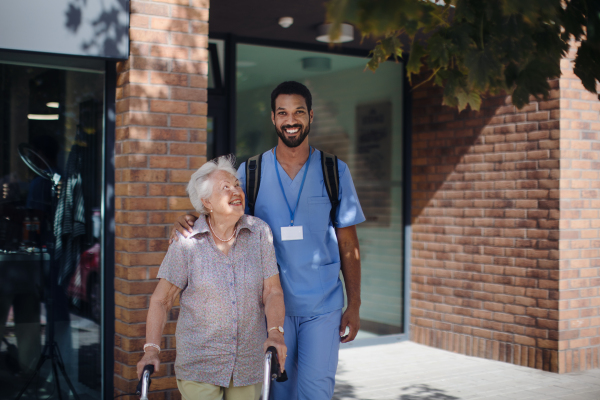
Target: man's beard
[[295, 141]]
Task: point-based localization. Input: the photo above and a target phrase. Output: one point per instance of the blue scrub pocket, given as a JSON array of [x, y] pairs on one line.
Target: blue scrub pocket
[[319, 209]]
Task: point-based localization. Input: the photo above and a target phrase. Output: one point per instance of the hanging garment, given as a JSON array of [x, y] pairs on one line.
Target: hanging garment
[[69, 220]]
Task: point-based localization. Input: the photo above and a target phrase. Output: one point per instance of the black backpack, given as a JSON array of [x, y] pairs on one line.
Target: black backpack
[[331, 177]]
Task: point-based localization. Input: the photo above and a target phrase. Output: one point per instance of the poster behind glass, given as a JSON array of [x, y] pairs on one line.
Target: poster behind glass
[[50, 272]]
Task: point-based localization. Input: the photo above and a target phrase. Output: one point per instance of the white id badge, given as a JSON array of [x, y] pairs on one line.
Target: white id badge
[[291, 233]]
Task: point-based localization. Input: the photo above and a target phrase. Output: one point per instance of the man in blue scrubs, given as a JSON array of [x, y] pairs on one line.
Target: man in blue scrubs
[[310, 251]]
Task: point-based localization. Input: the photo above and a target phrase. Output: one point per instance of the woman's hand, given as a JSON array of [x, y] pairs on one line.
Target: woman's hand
[[150, 357], [275, 339], [183, 225]]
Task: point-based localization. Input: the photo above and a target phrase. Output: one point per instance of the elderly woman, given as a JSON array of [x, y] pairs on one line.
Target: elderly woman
[[227, 276]]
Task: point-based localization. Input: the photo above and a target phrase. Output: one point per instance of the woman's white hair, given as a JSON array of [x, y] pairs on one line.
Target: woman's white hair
[[201, 185]]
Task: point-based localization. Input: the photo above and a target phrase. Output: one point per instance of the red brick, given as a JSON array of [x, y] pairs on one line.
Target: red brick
[[170, 24], [169, 79], [167, 162], [190, 13], [169, 52], [194, 149], [140, 7], [189, 40], [164, 106], [142, 35], [180, 121]]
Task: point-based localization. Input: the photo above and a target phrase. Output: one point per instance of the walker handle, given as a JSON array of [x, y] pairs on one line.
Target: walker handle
[[144, 384], [275, 370]]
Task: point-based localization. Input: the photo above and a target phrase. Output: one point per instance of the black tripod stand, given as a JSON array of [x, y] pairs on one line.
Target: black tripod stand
[[51, 351]]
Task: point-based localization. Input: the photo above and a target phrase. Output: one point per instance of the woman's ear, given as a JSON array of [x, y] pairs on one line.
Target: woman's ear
[[206, 204]]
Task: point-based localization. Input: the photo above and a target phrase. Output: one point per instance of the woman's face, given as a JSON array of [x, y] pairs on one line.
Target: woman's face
[[227, 198]]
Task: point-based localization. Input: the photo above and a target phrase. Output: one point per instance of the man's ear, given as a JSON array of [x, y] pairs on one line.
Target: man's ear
[[273, 117], [312, 115]]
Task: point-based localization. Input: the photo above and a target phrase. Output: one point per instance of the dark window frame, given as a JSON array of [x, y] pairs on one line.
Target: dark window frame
[[108, 247]]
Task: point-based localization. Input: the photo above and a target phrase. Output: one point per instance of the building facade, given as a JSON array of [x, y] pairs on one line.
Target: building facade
[[482, 227], [505, 228]]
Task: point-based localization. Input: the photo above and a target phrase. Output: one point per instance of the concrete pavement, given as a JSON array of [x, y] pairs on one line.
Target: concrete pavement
[[409, 371]]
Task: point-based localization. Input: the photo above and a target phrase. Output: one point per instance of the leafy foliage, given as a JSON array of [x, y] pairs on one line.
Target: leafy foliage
[[474, 47]]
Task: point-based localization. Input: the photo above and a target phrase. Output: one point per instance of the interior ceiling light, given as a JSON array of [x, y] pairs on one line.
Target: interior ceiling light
[[316, 64], [286, 22], [52, 104], [43, 117], [346, 34]]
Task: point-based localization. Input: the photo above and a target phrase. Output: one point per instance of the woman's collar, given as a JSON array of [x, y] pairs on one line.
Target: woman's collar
[[201, 226]]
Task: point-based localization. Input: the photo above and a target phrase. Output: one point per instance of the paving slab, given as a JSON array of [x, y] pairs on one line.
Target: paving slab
[[410, 371]]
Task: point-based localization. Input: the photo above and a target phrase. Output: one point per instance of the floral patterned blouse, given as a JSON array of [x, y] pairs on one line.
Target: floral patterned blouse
[[221, 327]]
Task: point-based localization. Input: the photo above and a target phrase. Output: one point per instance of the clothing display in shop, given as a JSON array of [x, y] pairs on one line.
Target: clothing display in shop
[[69, 220]]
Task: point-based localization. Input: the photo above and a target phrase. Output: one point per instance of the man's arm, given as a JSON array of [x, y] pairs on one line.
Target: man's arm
[[350, 260]]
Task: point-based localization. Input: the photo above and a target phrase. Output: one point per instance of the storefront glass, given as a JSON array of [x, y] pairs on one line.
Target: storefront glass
[[358, 117], [51, 135]]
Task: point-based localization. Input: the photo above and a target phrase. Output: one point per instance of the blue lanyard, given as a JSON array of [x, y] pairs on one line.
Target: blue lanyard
[[292, 213]]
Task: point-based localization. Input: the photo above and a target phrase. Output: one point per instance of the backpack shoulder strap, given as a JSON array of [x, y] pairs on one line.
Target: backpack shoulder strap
[[253, 169], [331, 177]]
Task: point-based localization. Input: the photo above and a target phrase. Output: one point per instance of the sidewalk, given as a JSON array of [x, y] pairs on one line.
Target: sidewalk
[[410, 371]]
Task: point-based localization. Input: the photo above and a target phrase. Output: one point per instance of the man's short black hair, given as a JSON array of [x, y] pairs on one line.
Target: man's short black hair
[[292, 87]]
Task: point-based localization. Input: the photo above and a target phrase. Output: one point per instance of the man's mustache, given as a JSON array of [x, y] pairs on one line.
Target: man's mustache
[[291, 126]]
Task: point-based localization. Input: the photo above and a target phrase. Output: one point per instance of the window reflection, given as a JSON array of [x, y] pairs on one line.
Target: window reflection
[[50, 173]]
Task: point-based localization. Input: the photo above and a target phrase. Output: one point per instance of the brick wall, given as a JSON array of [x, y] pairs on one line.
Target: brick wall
[[485, 262], [160, 141], [579, 224]]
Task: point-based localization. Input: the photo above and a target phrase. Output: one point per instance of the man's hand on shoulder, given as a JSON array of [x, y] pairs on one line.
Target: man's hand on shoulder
[[183, 225], [350, 319]]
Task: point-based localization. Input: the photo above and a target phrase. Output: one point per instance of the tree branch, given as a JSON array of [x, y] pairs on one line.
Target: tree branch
[[435, 71]]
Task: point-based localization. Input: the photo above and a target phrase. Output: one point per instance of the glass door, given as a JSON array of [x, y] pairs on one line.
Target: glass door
[[358, 117]]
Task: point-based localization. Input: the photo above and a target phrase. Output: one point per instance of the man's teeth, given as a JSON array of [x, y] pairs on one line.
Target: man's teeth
[[292, 130], [236, 203]]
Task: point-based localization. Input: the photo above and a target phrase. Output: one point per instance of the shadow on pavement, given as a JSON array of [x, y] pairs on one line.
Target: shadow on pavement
[[425, 392], [344, 391]]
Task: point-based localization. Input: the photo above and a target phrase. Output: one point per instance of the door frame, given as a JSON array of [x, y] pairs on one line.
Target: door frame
[[226, 144]]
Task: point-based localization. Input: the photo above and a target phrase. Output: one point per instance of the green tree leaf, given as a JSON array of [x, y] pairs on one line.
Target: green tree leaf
[[471, 99], [482, 66], [413, 66], [474, 47]]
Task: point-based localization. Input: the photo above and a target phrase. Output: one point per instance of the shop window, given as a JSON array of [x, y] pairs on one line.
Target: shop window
[[51, 135], [358, 117]]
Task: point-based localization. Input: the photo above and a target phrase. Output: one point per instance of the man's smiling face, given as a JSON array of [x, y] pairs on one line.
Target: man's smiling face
[[291, 119]]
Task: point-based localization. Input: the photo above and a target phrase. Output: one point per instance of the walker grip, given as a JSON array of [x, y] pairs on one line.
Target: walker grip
[[275, 370], [144, 384]]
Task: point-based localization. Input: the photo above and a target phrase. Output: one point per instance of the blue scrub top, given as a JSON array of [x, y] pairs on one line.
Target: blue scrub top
[[309, 269]]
